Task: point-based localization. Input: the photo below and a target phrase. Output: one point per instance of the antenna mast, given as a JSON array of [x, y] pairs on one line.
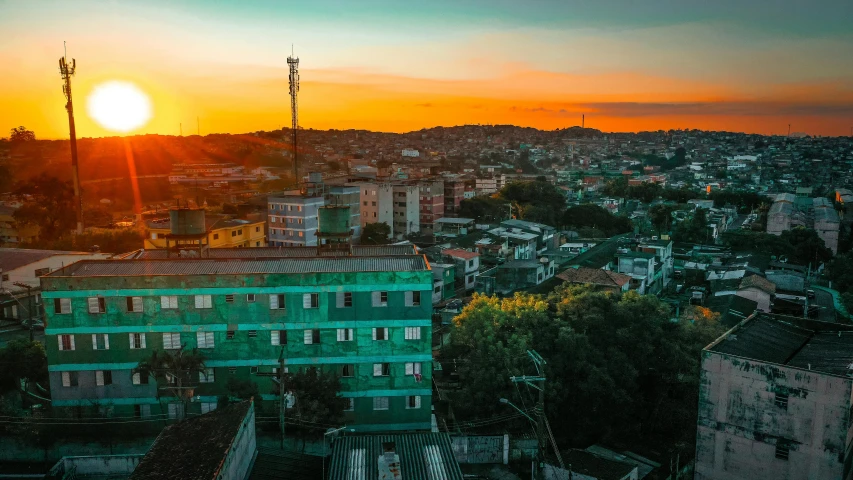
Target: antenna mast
[[293, 63], [67, 70]]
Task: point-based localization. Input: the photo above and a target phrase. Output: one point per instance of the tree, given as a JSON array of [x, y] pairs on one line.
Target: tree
[[484, 209], [21, 360], [550, 202], [21, 134], [317, 400], [806, 246], [661, 216], [51, 208], [693, 230], [376, 234], [178, 372], [589, 215], [618, 365]]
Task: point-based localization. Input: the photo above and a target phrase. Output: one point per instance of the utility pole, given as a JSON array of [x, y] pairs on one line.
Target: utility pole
[[293, 80], [282, 400], [67, 70]]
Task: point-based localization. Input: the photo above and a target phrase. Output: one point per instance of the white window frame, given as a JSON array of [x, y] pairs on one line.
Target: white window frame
[[175, 410], [275, 337], [341, 299], [210, 376], [66, 379], [205, 339], [381, 403], [277, 301], [384, 331], [136, 379], [413, 368], [310, 301], [100, 378], [105, 341], [169, 341], [378, 369], [413, 333], [136, 305], [207, 407], [410, 298], [134, 345], [168, 302], [308, 336], [345, 334], [250, 298], [417, 399], [203, 301], [70, 341], [95, 304], [377, 299]]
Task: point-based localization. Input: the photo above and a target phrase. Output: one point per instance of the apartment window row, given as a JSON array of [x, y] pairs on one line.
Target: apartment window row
[[98, 305], [172, 340], [289, 208]]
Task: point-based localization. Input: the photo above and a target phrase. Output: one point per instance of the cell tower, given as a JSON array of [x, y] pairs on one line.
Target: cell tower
[[66, 70], [293, 63]]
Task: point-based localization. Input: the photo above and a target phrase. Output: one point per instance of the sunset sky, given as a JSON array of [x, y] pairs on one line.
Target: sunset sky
[[629, 65]]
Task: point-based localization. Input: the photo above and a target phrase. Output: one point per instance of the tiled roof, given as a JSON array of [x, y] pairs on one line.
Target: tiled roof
[[422, 456], [193, 449], [205, 266], [12, 258], [458, 253], [761, 283], [594, 276]]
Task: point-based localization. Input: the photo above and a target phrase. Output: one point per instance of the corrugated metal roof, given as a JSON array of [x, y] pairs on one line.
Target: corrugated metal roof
[[425, 456], [204, 266], [286, 252]]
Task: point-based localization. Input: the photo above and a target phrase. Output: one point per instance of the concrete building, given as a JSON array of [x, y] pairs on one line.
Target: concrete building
[[348, 195], [425, 456], [596, 277], [431, 205], [640, 266], [222, 232], [444, 281], [487, 186], [364, 313], [293, 220], [775, 401], [790, 211], [545, 234], [407, 218], [454, 193], [664, 263], [453, 226], [467, 266], [10, 232], [377, 203], [759, 290], [826, 222]]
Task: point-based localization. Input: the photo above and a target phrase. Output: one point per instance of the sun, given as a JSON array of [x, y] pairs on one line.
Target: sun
[[119, 106]]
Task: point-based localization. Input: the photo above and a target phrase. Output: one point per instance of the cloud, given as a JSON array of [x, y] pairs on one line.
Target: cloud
[[724, 108]]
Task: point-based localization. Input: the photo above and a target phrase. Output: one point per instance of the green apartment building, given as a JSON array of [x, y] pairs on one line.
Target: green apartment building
[[363, 313]]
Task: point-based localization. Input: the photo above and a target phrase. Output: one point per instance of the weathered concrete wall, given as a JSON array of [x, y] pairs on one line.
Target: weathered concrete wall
[[741, 423], [13, 449], [102, 465], [243, 450], [761, 297]]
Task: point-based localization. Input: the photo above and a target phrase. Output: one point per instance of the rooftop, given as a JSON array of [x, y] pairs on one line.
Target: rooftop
[[595, 276], [808, 345], [12, 258], [455, 221], [193, 449], [538, 227], [459, 253], [422, 456], [238, 266], [280, 252], [761, 283]]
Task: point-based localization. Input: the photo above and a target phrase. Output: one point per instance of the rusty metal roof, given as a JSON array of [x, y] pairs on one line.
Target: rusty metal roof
[[281, 252], [422, 456]]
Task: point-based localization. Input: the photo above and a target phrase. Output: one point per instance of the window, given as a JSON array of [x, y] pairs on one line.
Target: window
[[782, 451], [203, 301], [413, 333], [66, 342], [380, 333], [469, 279], [229, 298], [380, 299], [413, 369], [310, 300], [413, 299], [232, 370], [381, 369], [97, 304], [100, 341], [380, 403], [413, 401], [141, 411], [343, 299], [350, 405], [257, 229], [61, 305], [103, 377], [176, 410], [207, 407], [138, 379], [69, 379], [216, 236], [171, 341], [301, 233], [136, 340], [240, 231], [344, 334], [206, 376], [250, 298], [277, 302], [134, 304], [437, 289], [781, 400], [253, 370], [204, 339], [229, 335], [253, 333], [42, 271], [168, 302], [470, 263], [233, 233], [312, 337], [365, 203], [278, 337], [348, 370]]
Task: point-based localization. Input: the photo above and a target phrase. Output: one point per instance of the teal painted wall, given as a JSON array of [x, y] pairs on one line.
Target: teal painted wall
[[253, 356]]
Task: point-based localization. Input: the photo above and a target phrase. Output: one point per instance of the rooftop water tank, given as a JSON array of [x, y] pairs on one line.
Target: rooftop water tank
[[333, 220], [187, 221]]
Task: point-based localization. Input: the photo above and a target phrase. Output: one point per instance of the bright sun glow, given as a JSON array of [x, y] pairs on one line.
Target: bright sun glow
[[119, 106]]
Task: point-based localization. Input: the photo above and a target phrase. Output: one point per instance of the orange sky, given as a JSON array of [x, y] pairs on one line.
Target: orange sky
[[390, 70]]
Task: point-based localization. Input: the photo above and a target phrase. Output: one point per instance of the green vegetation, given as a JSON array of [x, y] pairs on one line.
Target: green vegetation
[[694, 229], [537, 201], [595, 217], [801, 246], [618, 367], [175, 372], [375, 234], [22, 362], [51, 208], [484, 209], [317, 400]]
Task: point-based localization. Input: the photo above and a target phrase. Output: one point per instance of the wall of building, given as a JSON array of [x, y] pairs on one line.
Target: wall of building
[[243, 450], [406, 210], [293, 220], [761, 297], [250, 352], [377, 204], [431, 205], [740, 423]]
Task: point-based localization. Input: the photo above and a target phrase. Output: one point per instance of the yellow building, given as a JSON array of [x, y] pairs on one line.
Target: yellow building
[[222, 232]]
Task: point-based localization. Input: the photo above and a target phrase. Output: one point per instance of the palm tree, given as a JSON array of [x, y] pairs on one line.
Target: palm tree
[[176, 372]]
